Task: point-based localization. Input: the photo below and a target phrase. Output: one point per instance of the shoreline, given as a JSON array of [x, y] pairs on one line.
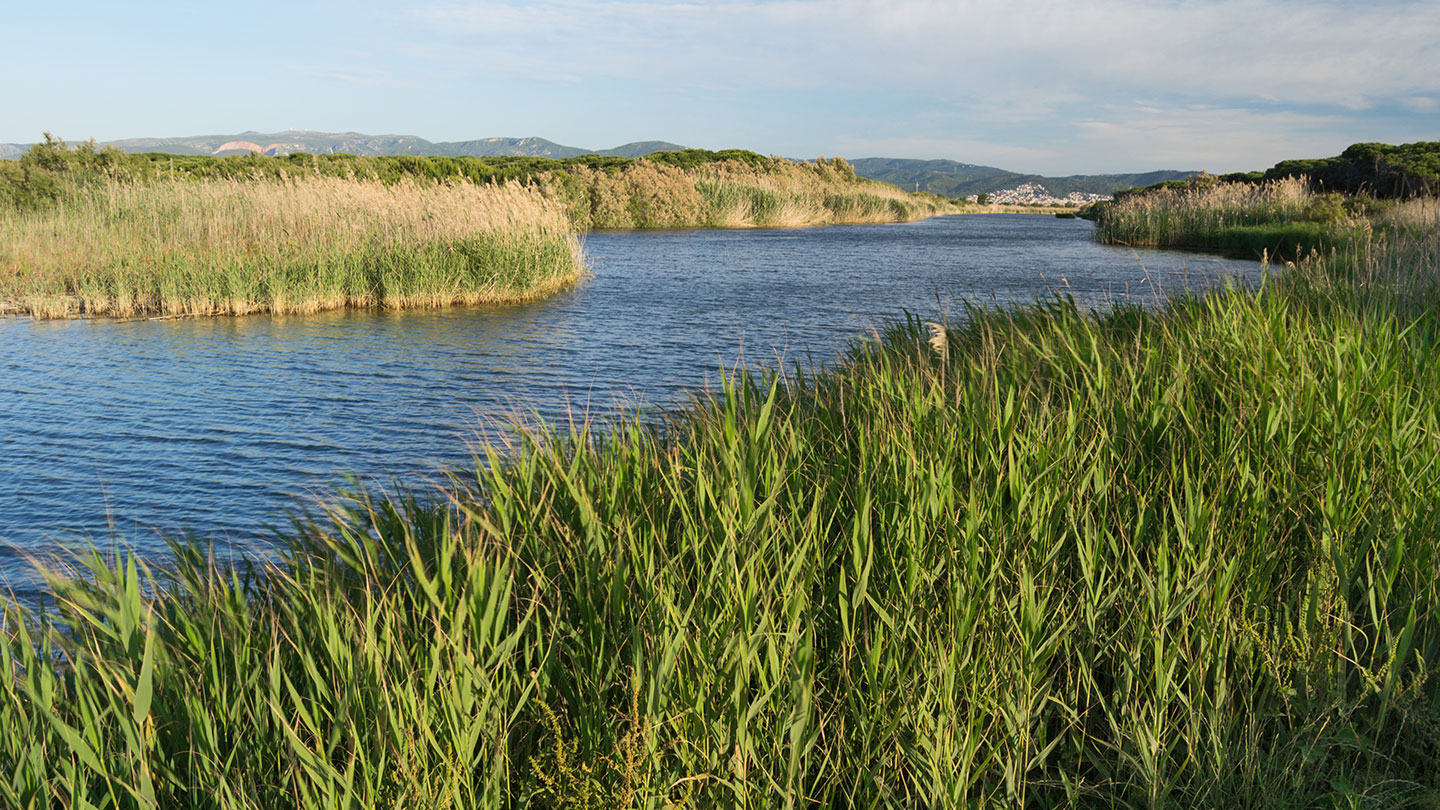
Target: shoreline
[[843, 545], [73, 307]]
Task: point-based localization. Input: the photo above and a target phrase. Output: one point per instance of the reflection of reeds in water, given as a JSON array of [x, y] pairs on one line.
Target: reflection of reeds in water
[[307, 244]]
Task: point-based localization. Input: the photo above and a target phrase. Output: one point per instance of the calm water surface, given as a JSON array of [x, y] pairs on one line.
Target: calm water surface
[[222, 426]]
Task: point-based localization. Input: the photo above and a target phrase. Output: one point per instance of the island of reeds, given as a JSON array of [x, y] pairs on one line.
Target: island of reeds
[[89, 231], [1295, 207], [1171, 557]]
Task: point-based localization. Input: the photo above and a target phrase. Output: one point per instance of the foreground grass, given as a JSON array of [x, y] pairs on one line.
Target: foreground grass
[[1174, 558], [231, 247]]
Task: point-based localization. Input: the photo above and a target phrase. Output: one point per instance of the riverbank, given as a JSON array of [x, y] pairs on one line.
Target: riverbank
[[1047, 210], [98, 232], [224, 247], [1037, 557], [731, 193], [1282, 218]]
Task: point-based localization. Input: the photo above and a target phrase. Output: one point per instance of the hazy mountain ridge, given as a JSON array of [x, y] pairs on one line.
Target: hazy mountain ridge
[[282, 143], [954, 179]]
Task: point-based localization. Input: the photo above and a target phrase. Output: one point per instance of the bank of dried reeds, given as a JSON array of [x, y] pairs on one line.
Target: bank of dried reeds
[[735, 194], [1199, 214], [299, 245]]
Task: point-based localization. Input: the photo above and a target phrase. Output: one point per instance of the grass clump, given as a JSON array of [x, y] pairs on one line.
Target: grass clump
[[205, 247], [689, 188], [1279, 217], [1181, 557], [733, 193], [92, 231], [1202, 213]]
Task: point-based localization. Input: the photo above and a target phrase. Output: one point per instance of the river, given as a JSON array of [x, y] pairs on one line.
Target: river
[[126, 431]]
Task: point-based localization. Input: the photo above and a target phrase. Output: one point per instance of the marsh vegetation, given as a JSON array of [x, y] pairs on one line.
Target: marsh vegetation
[[1037, 557], [97, 232], [231, 247], [1280, 218], [1180, 556]]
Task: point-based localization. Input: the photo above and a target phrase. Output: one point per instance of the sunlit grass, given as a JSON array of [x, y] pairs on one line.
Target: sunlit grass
[[1277, 217], [291, 239], [734, 194], [302, 245], [1031, 558]]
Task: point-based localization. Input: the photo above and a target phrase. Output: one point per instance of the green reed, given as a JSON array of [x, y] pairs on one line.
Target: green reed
[[1037, 557], [1279, 217]]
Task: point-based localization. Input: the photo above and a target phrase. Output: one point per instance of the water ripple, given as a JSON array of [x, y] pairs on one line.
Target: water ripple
[[125, 430]]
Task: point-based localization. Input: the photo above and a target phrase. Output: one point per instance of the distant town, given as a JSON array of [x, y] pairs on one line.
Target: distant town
[[1036, 194]]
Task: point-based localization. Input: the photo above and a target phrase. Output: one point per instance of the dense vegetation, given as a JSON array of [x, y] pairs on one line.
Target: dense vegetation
[[599, 191], [1283, 217], [206, 247], [1374, 170], [99, 231], [1181, 557], [45, 172]]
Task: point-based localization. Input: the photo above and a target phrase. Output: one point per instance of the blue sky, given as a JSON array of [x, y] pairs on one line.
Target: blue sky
[[1074, 86]]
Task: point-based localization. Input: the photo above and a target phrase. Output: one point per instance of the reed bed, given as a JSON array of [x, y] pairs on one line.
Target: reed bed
[[304, 244], [1276, 216], [800, 195], [1177, 558], [735, 194], [1418, 215]]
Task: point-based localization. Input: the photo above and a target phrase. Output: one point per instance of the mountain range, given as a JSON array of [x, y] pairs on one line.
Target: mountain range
[[954, 179], [946, 177], [356, 143]]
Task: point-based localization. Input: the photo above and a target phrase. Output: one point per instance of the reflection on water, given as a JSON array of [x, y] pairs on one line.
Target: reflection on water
[[217, 425]]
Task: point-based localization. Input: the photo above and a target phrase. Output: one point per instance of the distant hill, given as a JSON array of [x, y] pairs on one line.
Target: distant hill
[[945, 177], [284, 143], [954, 179]]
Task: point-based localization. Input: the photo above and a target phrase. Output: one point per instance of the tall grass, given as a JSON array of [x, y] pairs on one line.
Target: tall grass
[[1279, 217], [797, 195], [734, 194], [1041, 558], [299, 245], [93, 231], [1198, 214]]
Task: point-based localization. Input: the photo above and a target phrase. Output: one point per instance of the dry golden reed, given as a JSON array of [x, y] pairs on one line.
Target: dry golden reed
[[734, 194], [301, 245], [1197, 213]]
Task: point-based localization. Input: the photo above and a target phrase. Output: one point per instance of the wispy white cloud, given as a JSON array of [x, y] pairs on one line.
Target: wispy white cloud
[[358, 76], [1036, 84], [1273, 50], [1217, 138], [1425, 105], [979, 151]]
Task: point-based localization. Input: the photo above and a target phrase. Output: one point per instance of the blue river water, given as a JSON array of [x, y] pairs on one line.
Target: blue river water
[[127, 431]]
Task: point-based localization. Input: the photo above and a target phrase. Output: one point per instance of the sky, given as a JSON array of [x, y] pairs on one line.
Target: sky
[[1070, 87]]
